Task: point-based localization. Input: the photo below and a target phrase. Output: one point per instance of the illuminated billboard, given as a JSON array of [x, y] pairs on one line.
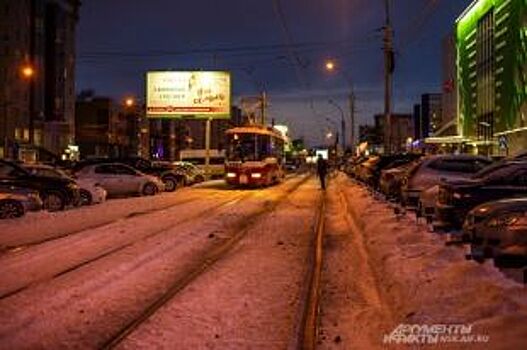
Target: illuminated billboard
[[194, 93]]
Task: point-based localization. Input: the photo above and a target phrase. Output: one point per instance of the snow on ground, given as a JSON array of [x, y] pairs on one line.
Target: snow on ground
[[250, 299], [83, 307], [353, 312], [51, 258], [42, 225], [425, 282], [379, 272]]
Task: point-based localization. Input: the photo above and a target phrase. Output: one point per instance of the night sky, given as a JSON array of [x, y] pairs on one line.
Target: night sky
[[279, 48]]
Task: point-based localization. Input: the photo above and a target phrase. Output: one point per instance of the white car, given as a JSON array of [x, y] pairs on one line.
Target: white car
[[91, 192], [120, 179]]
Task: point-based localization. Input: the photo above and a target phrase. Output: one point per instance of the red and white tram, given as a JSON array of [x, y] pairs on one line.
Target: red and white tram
[[255, 156]]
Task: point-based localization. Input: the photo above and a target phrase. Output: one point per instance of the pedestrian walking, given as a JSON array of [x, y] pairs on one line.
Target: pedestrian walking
[[322, 171]]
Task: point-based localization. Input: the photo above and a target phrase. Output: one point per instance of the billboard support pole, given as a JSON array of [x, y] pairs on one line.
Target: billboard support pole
[[207, 147]]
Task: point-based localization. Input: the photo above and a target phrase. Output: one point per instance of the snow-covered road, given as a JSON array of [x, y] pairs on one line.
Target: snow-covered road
[[84, 283], [214, 268]]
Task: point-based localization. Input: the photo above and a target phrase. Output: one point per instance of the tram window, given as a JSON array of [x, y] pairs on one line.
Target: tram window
[[201, 160]]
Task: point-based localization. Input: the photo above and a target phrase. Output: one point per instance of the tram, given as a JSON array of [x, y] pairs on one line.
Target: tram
[[255, 156]]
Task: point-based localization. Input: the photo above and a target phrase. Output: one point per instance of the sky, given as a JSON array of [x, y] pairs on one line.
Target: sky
[[279, 46]]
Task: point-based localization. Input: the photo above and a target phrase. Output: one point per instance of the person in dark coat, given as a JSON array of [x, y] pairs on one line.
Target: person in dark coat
[[322, 171]]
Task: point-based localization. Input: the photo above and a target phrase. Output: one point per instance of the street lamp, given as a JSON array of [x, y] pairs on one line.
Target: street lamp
[[129, 102], [27, 71], [342, 123], [331, 66], [330, 134]]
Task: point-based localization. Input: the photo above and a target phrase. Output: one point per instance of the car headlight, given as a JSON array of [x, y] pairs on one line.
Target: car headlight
[[457, 195], [256, 175], [231, 175], [469, 220], [33, 195]]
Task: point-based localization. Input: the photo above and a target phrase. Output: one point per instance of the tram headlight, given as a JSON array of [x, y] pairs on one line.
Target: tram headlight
[[231, 175], [256, 175]]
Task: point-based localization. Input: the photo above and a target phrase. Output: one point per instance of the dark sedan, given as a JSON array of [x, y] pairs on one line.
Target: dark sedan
[[498, 230], [56, 193], [457, 198]]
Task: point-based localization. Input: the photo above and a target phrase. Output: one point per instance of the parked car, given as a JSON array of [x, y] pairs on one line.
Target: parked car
[[291, 166], [387, 162], [192, 173], [363, 169], [90, 191], [120, 179], [352, 163], [16, 201], [163, 170], [427, 202], [433, 169], [457, 198], [498, 230], [391, 180], [56, 193]]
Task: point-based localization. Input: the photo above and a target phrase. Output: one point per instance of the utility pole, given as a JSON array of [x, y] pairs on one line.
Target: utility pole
[[388, 72], [342, 123], [352, 119]]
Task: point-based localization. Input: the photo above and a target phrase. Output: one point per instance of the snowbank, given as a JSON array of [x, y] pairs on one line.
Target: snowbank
[[429, 283]]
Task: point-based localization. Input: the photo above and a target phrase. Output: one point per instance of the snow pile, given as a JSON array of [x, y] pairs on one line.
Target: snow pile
[[429, 283], [43, 225]]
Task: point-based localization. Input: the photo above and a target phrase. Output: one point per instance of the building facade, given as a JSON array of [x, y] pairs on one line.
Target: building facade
[[448, 123], [169, 137], [37, 107], [402, 130], [428, 115], [491, 41], [103, 128]]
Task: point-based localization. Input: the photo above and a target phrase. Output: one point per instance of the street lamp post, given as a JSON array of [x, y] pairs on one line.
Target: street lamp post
[[28, 73], [329, 135], [342, 123], [330, 66]]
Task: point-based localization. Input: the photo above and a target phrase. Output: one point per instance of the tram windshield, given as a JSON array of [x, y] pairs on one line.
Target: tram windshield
[[246, 147]]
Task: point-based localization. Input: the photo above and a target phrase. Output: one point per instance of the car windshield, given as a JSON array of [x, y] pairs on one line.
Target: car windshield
[[47, 172], [486, 171]]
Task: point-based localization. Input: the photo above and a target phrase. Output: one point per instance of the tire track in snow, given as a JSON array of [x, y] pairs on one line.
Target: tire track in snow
[[197, 269], [6, 292]]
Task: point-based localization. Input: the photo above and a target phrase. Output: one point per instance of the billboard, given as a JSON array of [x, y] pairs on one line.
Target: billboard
[[192, 93]]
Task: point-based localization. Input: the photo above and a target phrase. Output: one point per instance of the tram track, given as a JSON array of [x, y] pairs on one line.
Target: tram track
[[191, 273], [114, 250], [307, 328], [135, 214]]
